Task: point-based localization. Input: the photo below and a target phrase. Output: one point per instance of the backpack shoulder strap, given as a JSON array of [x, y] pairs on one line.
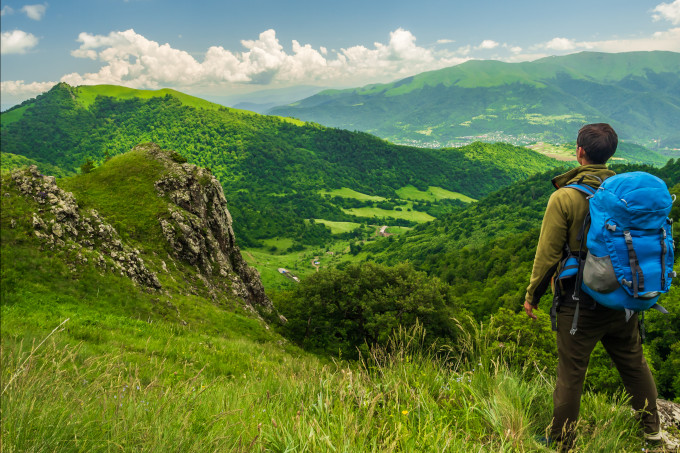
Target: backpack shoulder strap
[[585, 188]]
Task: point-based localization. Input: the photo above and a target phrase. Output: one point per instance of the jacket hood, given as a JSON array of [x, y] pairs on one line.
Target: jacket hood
[[592, 175]]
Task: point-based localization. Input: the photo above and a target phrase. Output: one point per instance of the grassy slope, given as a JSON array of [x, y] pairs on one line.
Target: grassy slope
[[86, 95], [9, 161]]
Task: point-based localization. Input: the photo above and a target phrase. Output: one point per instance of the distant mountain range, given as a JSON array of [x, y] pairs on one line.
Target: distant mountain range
[[520, 103]]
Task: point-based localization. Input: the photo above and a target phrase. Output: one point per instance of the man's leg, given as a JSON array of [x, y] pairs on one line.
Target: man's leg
[[622, 342], [573, 355]]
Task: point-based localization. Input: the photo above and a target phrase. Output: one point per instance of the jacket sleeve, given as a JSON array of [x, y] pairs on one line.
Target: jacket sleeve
[[550, 247]]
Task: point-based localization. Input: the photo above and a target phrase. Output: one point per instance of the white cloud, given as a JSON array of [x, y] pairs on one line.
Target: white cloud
[[560, 44], [130, 59], [445, 41], [514, 49], [668, 11], [17, 41], [20, 88], [487, 44], [35, 12], [662, 40], [6, 10]]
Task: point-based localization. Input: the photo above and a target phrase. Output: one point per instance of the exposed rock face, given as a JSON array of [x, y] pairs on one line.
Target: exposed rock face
[[669, 414], [199, 229], [60, 224]]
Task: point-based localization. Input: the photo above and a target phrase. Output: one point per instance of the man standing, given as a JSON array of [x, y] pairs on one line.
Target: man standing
[[562, 225]]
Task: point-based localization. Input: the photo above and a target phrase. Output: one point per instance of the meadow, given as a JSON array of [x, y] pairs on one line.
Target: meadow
[[401, 397]]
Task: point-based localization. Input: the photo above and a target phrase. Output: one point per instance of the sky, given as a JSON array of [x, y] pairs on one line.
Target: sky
[[228, 47]]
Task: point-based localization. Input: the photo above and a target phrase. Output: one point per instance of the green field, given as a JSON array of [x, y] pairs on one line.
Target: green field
[[398, 230], [349, 193], [431, 194], [414, 216], [339, 227], [298, 263], [278, 243]]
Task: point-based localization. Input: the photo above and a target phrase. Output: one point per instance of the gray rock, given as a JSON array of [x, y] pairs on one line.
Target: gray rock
[[199, 229], [669, 414]]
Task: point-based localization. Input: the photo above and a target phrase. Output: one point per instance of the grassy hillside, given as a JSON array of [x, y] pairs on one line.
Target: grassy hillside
[[272, 170], [543, 100]]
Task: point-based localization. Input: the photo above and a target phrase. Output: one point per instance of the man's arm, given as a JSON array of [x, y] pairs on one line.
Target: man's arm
[[549, 251]]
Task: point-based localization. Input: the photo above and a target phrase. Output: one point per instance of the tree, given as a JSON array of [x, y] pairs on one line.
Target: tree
[[87, 167]]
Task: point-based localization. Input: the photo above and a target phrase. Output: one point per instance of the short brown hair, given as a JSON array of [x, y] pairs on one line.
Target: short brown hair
[[599, 141]]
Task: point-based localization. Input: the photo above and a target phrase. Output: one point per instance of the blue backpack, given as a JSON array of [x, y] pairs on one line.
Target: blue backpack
[[630, 256]]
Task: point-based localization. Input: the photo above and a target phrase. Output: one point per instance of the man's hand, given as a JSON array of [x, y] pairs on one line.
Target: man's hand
[[529, 309]]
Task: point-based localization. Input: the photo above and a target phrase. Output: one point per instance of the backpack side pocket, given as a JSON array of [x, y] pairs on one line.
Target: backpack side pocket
[[599, 275]]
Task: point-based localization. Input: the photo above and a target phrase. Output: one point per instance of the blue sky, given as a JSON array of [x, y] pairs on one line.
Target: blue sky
[[229, 47]]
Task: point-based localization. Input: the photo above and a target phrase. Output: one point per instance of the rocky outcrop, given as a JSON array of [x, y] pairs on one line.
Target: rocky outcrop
[[669, 414], [61, 224], [198, 227]]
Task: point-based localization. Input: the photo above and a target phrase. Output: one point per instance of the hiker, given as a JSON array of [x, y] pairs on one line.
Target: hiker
[[562, 224]]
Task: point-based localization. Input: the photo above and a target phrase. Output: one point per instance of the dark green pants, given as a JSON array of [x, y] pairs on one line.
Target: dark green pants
[[621, 340]]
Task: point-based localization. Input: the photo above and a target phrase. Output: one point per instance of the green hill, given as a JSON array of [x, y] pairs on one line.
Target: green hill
[[272, 169], [543, 100]]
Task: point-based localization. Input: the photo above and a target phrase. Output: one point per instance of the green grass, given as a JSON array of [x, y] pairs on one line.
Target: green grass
[[398, 230], [88, 93], [13, 115], [134, 370], [279, 243], [431, 194], [57, 397], [299, 263], [339, 227], [123, 192], [415, 216], [349, 193], [9, 161]]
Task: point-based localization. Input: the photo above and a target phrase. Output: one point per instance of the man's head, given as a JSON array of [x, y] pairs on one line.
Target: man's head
[[598, 141]]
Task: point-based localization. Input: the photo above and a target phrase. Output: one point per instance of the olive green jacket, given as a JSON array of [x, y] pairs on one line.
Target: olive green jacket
[[562, 222]]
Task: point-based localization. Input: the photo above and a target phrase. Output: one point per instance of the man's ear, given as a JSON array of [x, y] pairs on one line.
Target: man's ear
[[581, 155]]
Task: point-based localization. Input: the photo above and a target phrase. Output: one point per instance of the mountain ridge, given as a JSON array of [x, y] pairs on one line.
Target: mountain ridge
[[638, 92]]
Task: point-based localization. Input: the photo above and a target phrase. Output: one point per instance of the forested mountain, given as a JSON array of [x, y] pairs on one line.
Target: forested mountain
[[547, 99], [272, 169]]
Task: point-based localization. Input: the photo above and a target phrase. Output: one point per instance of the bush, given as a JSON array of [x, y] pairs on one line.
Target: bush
[[346, 311]]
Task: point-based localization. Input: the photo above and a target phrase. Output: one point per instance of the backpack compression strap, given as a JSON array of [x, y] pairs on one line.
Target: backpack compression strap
[[589, 192]]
